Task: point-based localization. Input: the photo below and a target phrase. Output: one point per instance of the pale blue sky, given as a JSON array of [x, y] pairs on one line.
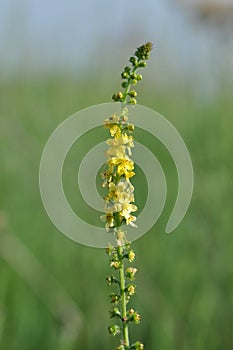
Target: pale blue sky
[[39, 35]]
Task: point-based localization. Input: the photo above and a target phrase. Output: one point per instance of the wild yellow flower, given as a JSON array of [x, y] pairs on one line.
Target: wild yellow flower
[[115, 264], [125, 167], [131, 255], [119, 200], [130, 220], [119, 145], [130, 273], [131, 289], [116, 151], [136, 318], [108, 218], [123, 140], [115, 130]]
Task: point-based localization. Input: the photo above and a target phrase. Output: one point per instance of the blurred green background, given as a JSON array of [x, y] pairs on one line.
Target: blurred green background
[[59, 58]]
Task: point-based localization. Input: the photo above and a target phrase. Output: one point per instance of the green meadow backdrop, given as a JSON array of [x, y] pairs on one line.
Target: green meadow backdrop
[[53, 293]]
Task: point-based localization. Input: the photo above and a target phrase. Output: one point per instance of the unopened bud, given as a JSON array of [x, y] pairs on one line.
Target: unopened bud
[[132, 93], [133, 60], [142, 64], [133, 101]]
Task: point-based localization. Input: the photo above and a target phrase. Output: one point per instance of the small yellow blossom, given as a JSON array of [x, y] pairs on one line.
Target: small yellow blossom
[[116, 151], [120, 168], [130, 221], [131, 271], [107, 177], [115, 131], [131, 255], [125, 167], [108, 219], [123, 140], [131, 289], [136, 318], [115, 264]]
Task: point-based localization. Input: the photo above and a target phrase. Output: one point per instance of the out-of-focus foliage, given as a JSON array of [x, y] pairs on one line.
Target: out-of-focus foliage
[[184, 280]]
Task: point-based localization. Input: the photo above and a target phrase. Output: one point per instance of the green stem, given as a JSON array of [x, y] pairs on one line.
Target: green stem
[[125, 329], [127, 89]]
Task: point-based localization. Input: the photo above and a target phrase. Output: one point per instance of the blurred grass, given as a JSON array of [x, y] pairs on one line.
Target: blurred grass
[[185, 280]]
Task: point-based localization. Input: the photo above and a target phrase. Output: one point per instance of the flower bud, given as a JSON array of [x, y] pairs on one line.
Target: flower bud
[[133, 76], [133, 60], [133, 93], [133, 101], [117, 97], [124, 75], [127, 69], [136, 318], [120, 347], [114, 97], [133, 316], [114, 329], [142, 64], [110, 249], [137, 346], [115, 298], [130, 127], [111, 280], [143, 51], [131, 311]]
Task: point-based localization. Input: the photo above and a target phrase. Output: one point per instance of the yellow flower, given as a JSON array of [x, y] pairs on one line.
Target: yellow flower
[[130, 272], [114, 161], [116, 151], [108, 219], [127, 140], [131, 255], [131, 289], [125, 197], [115, 264], [118, 146], [125, 167], [112, 187], [137, 318], [107, 177], [123, 140], [112, 193], [129, 175], [115, 131], [130, 221], [126, 210], [125, 187]]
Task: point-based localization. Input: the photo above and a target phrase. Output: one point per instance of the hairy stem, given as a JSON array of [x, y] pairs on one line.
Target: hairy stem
[[125, 330]]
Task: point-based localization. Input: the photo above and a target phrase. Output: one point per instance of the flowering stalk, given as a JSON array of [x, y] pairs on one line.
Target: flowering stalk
[[119, 201]]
